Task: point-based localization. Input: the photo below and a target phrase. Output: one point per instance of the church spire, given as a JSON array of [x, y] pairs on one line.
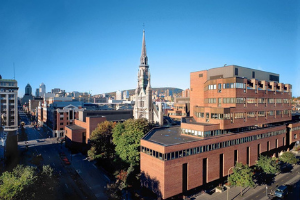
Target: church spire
[[144, 58]]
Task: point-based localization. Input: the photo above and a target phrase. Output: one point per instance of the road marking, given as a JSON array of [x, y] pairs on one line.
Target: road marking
[[95, 166], [66, 185]]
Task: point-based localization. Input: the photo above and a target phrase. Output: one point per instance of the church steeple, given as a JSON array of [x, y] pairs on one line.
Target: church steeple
[[144, 58]]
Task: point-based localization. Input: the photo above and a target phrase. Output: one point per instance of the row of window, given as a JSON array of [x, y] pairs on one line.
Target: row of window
[[235, 85], [210, 147], [240, 115], [296, 128], [8, 84], [248, 100]]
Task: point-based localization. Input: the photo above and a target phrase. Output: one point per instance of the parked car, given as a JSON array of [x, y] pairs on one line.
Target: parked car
[[281, 191]]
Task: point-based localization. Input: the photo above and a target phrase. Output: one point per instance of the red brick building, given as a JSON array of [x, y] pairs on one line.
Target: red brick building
[[237, 113], [181, 108]]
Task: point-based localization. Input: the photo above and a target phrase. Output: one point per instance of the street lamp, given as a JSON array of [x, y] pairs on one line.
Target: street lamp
[[266, 190], [228, 179]]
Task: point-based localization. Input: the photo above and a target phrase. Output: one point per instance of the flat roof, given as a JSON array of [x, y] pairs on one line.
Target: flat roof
[[168, 136], [75, 127]]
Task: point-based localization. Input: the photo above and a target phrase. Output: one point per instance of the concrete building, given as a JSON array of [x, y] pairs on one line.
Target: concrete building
[[9, 104], [144, 107], [237, 113], [9, 117]]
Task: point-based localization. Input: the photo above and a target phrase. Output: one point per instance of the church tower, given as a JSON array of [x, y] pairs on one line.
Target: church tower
[[144, 107]]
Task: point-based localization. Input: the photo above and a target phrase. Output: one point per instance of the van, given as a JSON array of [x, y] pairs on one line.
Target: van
[[281, 191]]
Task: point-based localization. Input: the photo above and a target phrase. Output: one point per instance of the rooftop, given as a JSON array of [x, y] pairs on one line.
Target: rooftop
[[75, 127], [168, 136]]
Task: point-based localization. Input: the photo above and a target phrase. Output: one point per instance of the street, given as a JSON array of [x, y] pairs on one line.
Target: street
[[79, 180]]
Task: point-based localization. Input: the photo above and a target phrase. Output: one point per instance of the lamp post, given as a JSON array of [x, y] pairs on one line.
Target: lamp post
[[228, 179], [266, 190]]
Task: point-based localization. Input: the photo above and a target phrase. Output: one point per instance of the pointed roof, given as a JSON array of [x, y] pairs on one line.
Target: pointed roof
[[144, 58]]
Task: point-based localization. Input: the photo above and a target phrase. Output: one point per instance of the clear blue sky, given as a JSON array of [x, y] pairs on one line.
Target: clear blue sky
[[96, 45]]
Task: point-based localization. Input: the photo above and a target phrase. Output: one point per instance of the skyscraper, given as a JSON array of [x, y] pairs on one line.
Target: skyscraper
[[144, 107], [9, 104], [28, 89], [42, 90]]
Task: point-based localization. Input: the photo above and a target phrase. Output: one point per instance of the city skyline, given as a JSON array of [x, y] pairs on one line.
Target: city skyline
[[96, 46]]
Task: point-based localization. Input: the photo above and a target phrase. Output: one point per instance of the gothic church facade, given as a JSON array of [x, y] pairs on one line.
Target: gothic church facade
[[144, 107]]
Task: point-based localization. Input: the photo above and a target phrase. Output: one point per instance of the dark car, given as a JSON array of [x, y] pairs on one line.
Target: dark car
[[281, 191]]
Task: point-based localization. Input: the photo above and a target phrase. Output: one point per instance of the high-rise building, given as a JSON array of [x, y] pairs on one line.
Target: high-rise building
[[237, 114], [28, 95], [144, 107], [37, 92], [118, 95], [42, 89], [9, 104], [28, 89]]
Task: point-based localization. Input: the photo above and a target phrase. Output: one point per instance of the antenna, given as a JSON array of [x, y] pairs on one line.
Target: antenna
[[14, 72]]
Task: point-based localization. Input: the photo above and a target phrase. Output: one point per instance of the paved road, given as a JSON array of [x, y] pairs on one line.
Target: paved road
[[80, 180]]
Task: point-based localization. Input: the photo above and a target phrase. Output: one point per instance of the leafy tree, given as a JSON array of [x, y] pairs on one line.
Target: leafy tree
[[242, 176], [13, 183], [268, 165], [127, 136], [101, 145], [288, 157]]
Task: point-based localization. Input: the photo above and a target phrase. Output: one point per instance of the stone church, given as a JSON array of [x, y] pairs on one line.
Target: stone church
[[144, 107]]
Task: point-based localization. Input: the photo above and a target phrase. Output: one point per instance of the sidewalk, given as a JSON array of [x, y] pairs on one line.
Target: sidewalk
[[249, 193]]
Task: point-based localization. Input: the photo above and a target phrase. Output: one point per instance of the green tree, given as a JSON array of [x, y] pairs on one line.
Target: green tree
[[242, 176], [288, 157], [268, 165], [101, 144], [127, 136], [13, 183]]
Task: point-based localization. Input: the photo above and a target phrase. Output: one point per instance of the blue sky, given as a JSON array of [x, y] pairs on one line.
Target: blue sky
[[96, 45]]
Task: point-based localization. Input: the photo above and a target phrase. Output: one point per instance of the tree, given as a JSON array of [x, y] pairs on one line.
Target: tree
[[288, 157], [13, 183], [242, 176], [101, 145], [268, 165], [127, 136], [26, 182]]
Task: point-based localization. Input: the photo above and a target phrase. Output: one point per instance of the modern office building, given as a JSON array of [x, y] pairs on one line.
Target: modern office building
[[144, 107], [237, 113], [28, 95]]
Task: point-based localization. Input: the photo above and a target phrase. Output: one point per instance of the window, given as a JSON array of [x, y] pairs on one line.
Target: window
[[250, 114], [251, 100], [270, 113], [274, 78], [261, 113], [61, 123], [253, 74], [238, 115], [236, 71], [239, 85], [240, 100], [200, 75]]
